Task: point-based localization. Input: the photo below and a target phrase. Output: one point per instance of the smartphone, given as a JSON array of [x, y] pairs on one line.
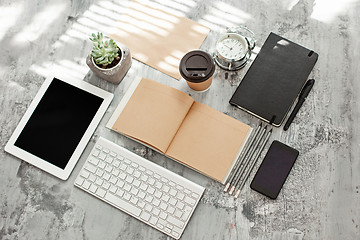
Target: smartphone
[[274, 169]]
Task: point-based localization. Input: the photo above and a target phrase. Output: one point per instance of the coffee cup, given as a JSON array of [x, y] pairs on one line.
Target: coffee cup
[[197, 68]]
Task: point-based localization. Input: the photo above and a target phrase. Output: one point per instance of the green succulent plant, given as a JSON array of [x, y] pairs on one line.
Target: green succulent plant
[[103, 52]]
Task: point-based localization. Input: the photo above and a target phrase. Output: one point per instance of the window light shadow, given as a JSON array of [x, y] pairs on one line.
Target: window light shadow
[[40, 23], [8, 17], [223, 15], [327, 10]]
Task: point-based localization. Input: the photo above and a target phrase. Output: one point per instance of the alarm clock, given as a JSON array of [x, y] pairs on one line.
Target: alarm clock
[[233, 49]]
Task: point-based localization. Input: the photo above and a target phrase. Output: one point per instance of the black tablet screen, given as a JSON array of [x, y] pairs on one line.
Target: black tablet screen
[[58, 123]]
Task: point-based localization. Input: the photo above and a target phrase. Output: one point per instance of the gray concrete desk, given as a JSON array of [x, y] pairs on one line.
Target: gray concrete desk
[[321, 197]]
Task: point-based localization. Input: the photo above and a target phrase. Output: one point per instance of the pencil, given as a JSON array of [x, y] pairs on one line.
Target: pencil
[[242, 156], [247, 159], [253, 163]]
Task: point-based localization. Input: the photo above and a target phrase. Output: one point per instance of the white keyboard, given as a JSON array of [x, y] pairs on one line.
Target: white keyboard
[[144, 190]]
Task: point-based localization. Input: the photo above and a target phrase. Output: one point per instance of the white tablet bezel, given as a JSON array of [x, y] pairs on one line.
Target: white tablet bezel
[[41, 163]]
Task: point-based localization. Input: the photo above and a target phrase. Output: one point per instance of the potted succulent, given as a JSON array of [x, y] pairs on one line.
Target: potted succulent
[[108, 60]]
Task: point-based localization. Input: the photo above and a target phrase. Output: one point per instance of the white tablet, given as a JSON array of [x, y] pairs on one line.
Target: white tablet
[[58, 124]]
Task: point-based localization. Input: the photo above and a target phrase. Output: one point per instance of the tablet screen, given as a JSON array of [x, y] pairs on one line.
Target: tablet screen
[[58, 123]]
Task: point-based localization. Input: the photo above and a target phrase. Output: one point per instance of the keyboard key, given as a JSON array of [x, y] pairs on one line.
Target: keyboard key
[[175, 234], [156, 211], [173, 192], [143, 186], [180, 196], [116, 163], [141, 204], [86, 184], [190, 201], [122, 175], [180, 205], [120, 192], [151, 190], [106, 176], [113, 189], [187, 191], [127, 187], [123, 204], [151, 181], [153, 220], [113, 154], [127, 161], [100, 192], [127, 196], [145, 216], [165, 188], [105, 150], [90, 168], [134, 191], [141, 194], [170, 210], [94, 161], [99, 181], [148, 207], [158, 194], [115, 172], [92, 178], [165, 197], [163, 215], [106, 185], [134, 200], [102, 165], [130, 170], [173, 201], [79, 181], [195, 195], [108, 168], [120, 183], [134, 165], [99, 172], [156, 202], [137, 174], [178, 214], [149, 198], [175, 221], [102, 156], [129, 179], [158, 185], [113, 180], [93, 188], [84, 174], [136, 183], [163, 206]]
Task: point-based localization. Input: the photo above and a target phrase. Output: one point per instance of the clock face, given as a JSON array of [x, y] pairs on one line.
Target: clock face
[[232, 46]]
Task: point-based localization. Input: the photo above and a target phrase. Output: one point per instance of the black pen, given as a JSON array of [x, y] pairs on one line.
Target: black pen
[[304, 93]]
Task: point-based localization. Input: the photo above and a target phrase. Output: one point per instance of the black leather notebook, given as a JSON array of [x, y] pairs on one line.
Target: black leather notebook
[[274, 80]]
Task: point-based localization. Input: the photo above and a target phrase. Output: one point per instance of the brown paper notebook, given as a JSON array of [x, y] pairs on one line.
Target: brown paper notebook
[[157, 36], [171, 122]]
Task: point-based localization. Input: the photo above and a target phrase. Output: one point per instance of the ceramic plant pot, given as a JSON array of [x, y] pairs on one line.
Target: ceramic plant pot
[[116, 73]]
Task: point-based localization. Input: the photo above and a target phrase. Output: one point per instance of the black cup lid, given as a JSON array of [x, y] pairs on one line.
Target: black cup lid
[[197, 66]]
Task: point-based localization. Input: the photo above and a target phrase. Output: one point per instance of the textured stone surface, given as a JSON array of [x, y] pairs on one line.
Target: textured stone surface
[[321, 197]]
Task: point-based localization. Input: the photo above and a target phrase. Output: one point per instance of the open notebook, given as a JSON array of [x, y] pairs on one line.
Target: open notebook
[[171, 122]]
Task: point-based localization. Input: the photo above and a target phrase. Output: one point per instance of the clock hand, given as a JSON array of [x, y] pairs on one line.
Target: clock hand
[[237, 41]]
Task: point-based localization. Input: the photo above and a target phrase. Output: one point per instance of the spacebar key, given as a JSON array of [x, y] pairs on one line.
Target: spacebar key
[[127, 207]]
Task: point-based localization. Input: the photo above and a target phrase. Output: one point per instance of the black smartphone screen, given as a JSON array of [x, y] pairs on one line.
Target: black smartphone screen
[[274, 169]]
